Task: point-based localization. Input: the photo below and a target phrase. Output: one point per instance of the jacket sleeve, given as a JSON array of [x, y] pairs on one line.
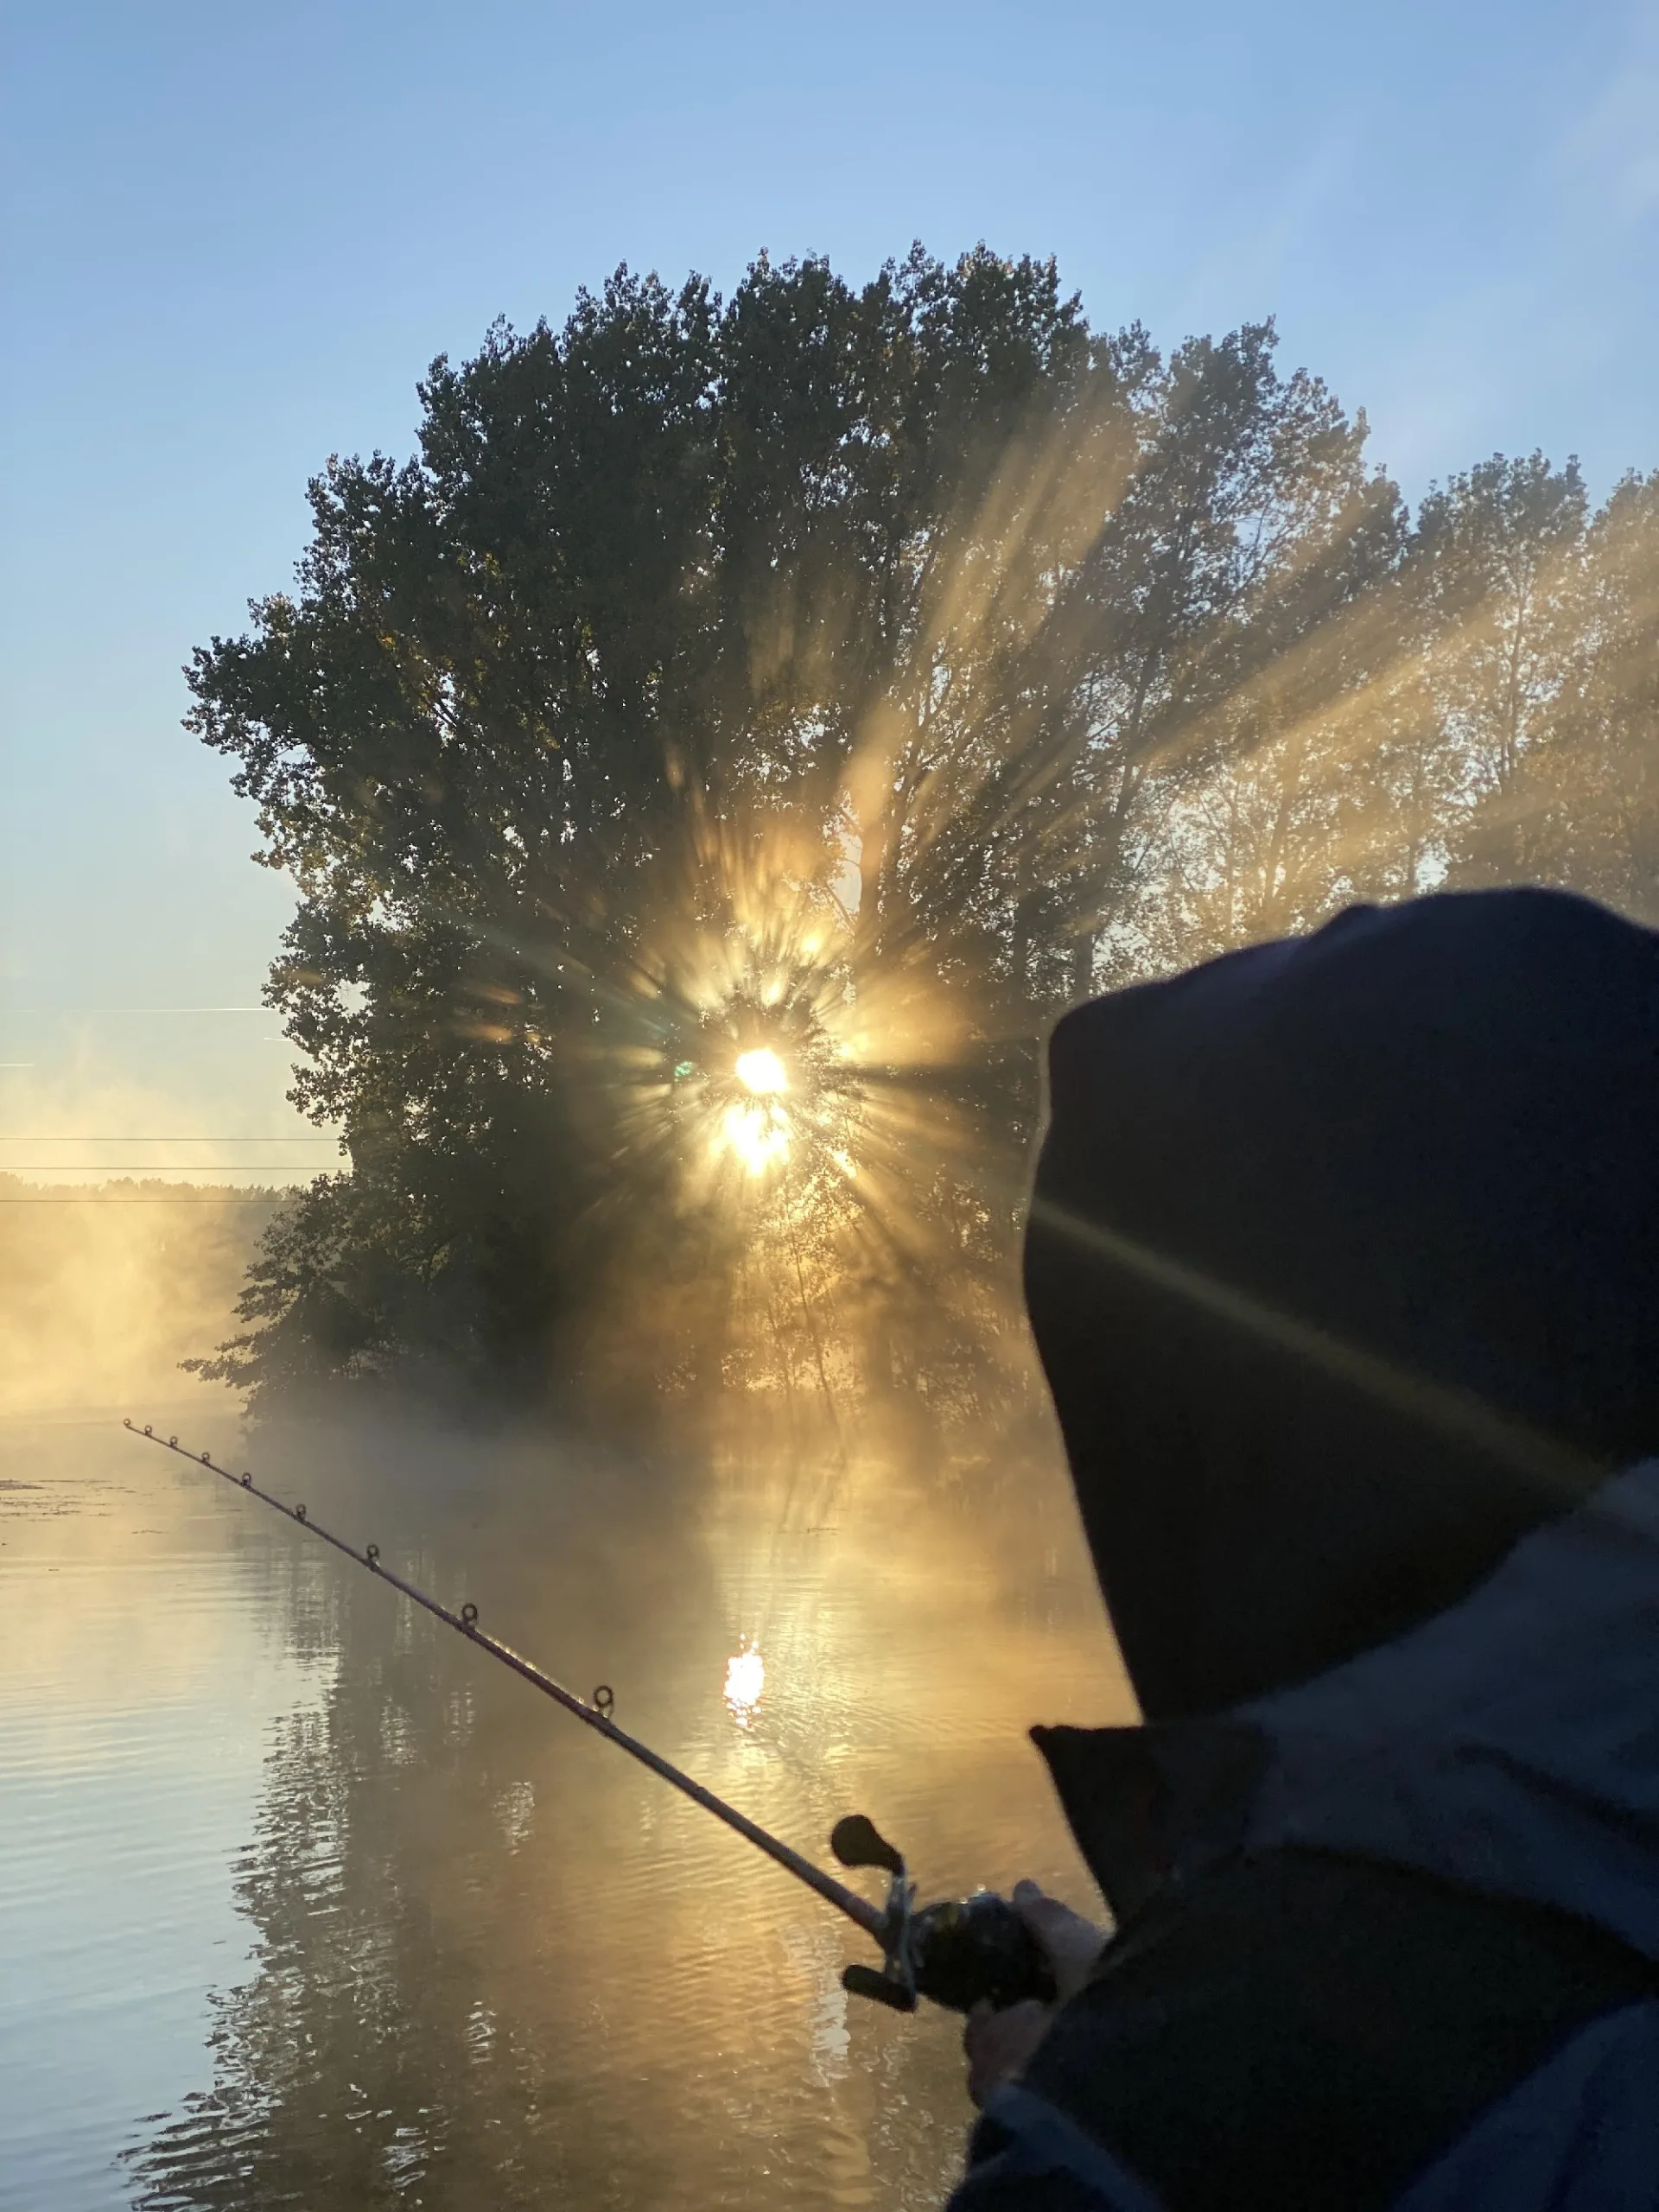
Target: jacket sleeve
[[1026, 2155], [1581, 2135]]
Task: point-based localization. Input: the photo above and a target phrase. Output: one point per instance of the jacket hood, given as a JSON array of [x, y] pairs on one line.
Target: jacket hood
[[1344, 1268]]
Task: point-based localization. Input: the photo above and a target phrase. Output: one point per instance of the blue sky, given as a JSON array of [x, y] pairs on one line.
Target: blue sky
[[233, 238]]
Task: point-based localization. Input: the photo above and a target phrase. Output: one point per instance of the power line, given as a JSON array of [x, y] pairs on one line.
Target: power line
[[61, 1138], [264, 1198]]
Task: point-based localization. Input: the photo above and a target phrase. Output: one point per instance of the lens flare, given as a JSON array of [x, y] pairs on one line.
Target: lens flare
[[762, 1071], [758, 1133], [786, 1090]]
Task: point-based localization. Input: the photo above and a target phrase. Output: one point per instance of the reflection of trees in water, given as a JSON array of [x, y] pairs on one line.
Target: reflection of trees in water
[[496, 1964], [337, 2067]]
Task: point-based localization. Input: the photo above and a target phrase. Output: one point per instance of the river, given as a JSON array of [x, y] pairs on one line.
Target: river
[[306, 1903]]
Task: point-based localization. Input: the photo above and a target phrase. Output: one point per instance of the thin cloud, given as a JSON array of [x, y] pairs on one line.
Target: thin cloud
[[1614, 144]]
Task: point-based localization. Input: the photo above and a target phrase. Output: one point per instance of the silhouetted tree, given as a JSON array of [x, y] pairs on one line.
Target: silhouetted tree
[[862, 673]]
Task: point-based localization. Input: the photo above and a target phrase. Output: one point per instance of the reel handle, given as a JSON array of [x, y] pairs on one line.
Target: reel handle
[[880, 1988], [857, 1841], [960, 1952]]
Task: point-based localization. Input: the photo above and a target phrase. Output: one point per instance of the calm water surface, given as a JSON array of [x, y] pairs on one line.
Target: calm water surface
[[304, 1902]]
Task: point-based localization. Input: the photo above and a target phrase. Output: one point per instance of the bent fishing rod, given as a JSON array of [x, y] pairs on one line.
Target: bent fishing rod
[[958, 1952]]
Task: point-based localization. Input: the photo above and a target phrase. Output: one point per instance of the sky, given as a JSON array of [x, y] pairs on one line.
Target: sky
[[234, 236]]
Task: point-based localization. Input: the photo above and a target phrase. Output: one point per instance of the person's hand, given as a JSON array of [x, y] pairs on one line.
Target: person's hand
[[998, 2045], [1072, 1944]]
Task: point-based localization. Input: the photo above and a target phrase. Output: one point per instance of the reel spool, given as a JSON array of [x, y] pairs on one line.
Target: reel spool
[[958, 1952]]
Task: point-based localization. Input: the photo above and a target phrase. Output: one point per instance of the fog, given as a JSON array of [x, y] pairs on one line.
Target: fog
[[106, 1287], [700, 809], [345, 1915]]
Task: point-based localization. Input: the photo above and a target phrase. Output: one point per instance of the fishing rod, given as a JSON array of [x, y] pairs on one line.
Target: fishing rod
[[957, 1952]]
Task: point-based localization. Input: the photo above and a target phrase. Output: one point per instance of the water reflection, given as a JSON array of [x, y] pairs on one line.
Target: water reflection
[[140, 1677], [491, 1960], [745, 1682]]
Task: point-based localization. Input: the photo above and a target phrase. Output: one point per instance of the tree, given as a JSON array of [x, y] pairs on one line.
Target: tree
[[1495, 562], [800, 673], [1594, 781]]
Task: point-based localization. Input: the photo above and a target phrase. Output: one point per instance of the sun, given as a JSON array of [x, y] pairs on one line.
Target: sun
[[750, 1054], [758, 1128], [762, 1071]]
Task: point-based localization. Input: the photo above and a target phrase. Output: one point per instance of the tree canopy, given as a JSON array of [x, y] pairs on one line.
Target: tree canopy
[[853, 675]]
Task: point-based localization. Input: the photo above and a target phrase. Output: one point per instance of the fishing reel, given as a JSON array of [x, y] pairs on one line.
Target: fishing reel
[[957, 1952]]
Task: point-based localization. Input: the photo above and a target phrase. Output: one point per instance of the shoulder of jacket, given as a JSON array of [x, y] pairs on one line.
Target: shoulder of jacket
[[1023, 2139]]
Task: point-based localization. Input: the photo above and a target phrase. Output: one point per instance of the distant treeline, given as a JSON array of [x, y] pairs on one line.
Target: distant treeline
[[866, 672]]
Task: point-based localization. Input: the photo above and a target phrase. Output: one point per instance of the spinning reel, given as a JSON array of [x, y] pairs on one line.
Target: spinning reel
[[957, 1952]]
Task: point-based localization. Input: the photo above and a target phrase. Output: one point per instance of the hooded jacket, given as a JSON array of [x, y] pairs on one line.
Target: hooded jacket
[[1344, 1267]]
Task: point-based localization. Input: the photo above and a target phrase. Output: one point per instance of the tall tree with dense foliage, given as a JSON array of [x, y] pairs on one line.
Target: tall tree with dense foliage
[[829, 684]]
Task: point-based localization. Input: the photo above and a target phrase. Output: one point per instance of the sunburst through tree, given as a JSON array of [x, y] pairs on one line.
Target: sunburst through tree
[[710, 764]]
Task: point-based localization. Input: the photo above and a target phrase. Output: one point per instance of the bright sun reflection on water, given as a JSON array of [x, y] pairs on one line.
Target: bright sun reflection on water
[[745, 1677]]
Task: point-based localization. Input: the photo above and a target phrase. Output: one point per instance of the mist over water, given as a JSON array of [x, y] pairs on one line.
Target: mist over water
[[106, 1287], [310, 1903]]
